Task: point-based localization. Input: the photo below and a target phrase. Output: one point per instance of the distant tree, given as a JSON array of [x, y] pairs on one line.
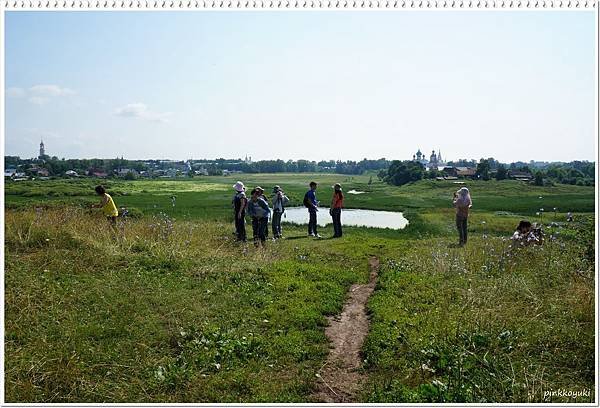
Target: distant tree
[[501, 172], [483, 169], [403, 172], [129, 176], [538, 178]]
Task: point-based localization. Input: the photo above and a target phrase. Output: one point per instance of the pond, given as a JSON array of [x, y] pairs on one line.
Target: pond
[[350, 217]]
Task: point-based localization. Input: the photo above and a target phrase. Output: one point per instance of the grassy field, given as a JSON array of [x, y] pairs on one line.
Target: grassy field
[[170, 309]]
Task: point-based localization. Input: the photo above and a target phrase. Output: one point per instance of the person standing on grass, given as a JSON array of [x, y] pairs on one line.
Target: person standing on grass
[[259, 210], [107, 204], [337, 202], [310, 202], [462, 202], [280, 200], [240, 202]]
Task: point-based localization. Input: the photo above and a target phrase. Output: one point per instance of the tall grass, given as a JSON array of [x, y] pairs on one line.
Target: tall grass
[[161, 310], [491, 322]]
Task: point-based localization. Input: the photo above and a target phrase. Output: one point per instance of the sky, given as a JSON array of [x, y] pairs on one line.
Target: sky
[[347, 85]]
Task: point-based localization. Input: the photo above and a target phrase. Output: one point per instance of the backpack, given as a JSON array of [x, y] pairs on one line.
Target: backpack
[[306, 201]]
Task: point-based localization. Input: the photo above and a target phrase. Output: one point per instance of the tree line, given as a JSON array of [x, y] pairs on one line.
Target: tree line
[[577, 172], [58, 167]]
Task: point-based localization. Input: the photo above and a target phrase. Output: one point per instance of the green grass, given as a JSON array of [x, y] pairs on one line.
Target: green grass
[[170, 309]]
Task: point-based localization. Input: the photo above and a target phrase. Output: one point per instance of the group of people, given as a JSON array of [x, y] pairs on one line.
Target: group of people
[[525, 234], [257, 207]]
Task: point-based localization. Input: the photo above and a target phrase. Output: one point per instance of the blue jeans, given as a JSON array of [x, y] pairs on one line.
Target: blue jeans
[[240, 228], [259, 228], [276, 223], [312, 221]]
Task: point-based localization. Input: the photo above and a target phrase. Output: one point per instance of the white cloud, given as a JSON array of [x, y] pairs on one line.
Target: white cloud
[[140, 110], [15, 92], [39, 94], [50, 90], [38, 100]]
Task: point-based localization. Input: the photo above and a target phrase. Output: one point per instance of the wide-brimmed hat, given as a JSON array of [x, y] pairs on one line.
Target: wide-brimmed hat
[[276, 189], [337, 186], [259, 188], [239, 186]]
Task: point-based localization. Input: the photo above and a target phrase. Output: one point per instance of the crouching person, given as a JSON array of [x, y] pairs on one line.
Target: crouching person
[[259, 211], [109, 209]]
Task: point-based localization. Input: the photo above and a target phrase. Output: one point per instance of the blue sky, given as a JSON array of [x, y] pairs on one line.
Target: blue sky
[[289, 85]]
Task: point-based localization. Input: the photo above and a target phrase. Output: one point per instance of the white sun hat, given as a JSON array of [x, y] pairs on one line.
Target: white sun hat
[[239, 186]]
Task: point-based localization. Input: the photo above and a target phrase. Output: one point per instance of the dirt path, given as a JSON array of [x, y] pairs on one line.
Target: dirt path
[[339, 378]]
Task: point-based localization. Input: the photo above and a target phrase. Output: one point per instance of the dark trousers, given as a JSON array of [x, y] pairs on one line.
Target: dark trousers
[[240, 228], [461, 224], [336, 215], [276, 223], [312, 221], [259, 228]]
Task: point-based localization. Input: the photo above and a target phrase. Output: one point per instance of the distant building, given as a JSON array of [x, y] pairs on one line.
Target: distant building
[[40, 171], [452, 172], [520, 175], [465, 172], [97, 173], [42, 150], [9, 172], [435, 160], [124, 172], [71, 173]]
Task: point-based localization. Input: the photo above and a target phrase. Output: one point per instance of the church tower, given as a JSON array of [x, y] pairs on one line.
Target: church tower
[[42, 149]]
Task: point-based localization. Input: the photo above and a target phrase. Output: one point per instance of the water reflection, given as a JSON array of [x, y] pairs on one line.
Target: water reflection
[[356, 218]]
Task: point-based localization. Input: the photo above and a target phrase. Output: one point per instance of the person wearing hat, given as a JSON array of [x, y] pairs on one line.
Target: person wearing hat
[[240, 202], [280, 200], [337, 202], [462, 202], [259, 210]]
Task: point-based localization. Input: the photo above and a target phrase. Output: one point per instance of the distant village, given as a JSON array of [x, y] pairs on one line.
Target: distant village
[[44, 167], [454, 172]]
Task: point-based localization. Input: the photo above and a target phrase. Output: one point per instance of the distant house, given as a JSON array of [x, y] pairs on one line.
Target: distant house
[[201, 172], [40, 171], [520, 175], [124, 172], [9, 172], [465, 172], [450, 171], [71, 173], [98, 173]]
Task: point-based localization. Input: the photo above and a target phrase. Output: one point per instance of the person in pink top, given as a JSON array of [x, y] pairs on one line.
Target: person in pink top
[[337, 202], [462, 202]]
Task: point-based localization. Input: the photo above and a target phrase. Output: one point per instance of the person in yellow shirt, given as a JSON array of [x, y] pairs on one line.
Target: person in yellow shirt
[[107, 204]]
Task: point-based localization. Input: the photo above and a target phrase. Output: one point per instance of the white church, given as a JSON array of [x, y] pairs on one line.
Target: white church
[[435, 160]]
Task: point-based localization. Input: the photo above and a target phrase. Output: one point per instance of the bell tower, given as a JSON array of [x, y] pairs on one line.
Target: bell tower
[[42, 149]]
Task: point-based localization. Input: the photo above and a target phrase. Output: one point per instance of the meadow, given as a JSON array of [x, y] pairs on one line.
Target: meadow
[[170, 309]]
